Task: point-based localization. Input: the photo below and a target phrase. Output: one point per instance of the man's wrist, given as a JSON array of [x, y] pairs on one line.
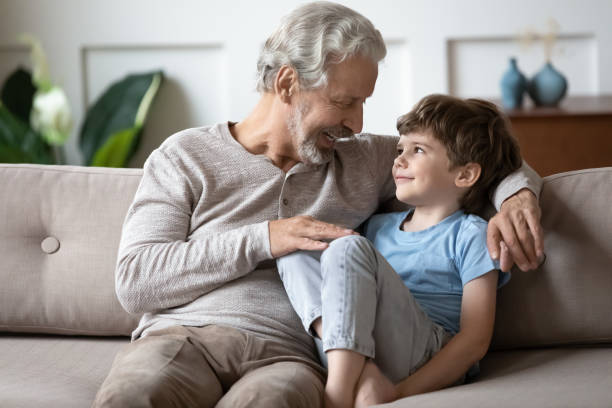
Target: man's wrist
[[524, 193], [526, 190]]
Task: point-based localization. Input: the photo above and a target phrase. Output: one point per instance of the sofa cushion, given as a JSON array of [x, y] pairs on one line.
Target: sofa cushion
[[568, 299], [59, 232], [46, 371], [548, 378]]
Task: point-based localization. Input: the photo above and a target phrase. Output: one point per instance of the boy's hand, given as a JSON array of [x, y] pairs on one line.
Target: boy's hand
[[514, 234], [373, 387], [302, 232]]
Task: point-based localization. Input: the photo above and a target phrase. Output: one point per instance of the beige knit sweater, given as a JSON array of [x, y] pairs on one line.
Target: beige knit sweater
[[195, 246]]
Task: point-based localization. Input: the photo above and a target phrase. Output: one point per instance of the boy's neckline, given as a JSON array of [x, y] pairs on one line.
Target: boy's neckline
[[409, 224]]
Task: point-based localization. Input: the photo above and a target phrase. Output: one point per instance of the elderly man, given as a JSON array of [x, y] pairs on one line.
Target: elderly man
[[216, 206]]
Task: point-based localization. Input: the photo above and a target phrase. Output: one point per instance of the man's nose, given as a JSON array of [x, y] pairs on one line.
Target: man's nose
[[354, 119]]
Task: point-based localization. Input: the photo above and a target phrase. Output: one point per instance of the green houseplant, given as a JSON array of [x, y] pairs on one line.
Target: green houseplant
[[35, 118]]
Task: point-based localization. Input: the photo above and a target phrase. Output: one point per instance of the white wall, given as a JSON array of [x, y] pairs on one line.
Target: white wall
[[208, 50]]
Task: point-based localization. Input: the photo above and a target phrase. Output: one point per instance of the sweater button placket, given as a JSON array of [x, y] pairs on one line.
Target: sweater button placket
[[285, 210]]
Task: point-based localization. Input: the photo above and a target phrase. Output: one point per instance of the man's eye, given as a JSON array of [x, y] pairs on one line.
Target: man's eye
[[344, 104]]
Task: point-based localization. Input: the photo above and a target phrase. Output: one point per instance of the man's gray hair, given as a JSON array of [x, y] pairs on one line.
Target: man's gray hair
[[314, 36]]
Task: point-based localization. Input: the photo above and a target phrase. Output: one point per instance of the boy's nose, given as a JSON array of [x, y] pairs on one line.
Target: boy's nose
[[400, 161]]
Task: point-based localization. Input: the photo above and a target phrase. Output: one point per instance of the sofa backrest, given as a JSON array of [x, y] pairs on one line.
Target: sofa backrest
[[69, 289], [59, 232], [568, 300]]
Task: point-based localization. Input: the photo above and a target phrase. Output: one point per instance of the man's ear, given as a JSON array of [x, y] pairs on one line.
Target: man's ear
[[468, 175], [285, 83]]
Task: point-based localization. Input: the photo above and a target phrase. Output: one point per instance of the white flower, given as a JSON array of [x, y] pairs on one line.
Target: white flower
[[51, 116]]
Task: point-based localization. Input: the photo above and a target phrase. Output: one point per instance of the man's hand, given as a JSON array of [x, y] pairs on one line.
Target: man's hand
[[514, 234], [302, 232]]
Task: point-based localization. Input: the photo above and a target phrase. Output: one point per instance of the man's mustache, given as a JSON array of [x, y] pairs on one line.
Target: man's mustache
[[338, 132]]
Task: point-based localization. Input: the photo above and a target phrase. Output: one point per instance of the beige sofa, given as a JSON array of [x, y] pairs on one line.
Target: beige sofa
[[61, 323]]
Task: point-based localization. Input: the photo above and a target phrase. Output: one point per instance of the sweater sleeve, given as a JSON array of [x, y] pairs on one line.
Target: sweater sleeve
[[158, 266], [524, 177], [379, 151]]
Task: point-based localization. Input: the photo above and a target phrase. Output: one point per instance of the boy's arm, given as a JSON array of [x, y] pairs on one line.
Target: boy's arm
[[466, 347]]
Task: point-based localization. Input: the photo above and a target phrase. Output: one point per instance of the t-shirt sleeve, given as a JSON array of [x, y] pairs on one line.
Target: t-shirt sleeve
[[473, 259], [374, 224]]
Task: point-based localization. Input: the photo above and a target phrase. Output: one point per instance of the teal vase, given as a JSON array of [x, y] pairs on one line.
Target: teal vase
[[513, 86], [547, 87]]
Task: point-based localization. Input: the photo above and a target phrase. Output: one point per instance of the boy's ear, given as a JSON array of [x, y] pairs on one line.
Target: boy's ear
[[468, 175], [285, 83]]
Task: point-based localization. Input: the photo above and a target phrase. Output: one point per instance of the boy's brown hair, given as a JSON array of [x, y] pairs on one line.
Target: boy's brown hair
[[472, 130]]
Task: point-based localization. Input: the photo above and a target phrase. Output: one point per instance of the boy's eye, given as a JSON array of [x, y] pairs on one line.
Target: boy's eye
[[417, 149], [399, 152]]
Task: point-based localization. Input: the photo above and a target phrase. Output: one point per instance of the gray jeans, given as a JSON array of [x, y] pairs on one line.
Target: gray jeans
[[364, 304]]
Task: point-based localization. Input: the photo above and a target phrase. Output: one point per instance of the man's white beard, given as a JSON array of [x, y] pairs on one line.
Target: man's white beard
[[306, 144]]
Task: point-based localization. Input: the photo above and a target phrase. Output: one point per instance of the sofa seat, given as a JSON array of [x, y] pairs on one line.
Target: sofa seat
[[54, 371], [553, 377], [57, 371]]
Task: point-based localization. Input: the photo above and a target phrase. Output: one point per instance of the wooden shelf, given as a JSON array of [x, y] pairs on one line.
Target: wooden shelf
[[575, 135], [573, 105]]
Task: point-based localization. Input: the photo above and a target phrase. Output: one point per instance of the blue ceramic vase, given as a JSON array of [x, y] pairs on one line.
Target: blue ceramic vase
[[513, 85], [547, 87]]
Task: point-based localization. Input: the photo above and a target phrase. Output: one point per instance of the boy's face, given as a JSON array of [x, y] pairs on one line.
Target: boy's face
[[421, 172]]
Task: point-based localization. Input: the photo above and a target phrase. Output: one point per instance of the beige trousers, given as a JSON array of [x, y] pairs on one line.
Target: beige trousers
[[210, 366]]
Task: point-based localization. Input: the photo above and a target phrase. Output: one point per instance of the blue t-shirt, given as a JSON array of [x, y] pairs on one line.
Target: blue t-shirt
[[437, 262]]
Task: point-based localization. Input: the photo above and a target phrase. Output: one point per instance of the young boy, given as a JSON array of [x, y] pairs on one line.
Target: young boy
[[417, 297]]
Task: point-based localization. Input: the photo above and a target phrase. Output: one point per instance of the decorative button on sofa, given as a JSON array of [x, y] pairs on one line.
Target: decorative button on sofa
[[50, 245]]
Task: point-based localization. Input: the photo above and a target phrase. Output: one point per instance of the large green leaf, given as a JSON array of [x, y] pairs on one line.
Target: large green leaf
[[19, 143], [17, 94], [122, 107], [117, 148], [11, 154]]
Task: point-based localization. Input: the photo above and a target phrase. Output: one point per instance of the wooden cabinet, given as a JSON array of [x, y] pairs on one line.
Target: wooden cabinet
[[575, 135]]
